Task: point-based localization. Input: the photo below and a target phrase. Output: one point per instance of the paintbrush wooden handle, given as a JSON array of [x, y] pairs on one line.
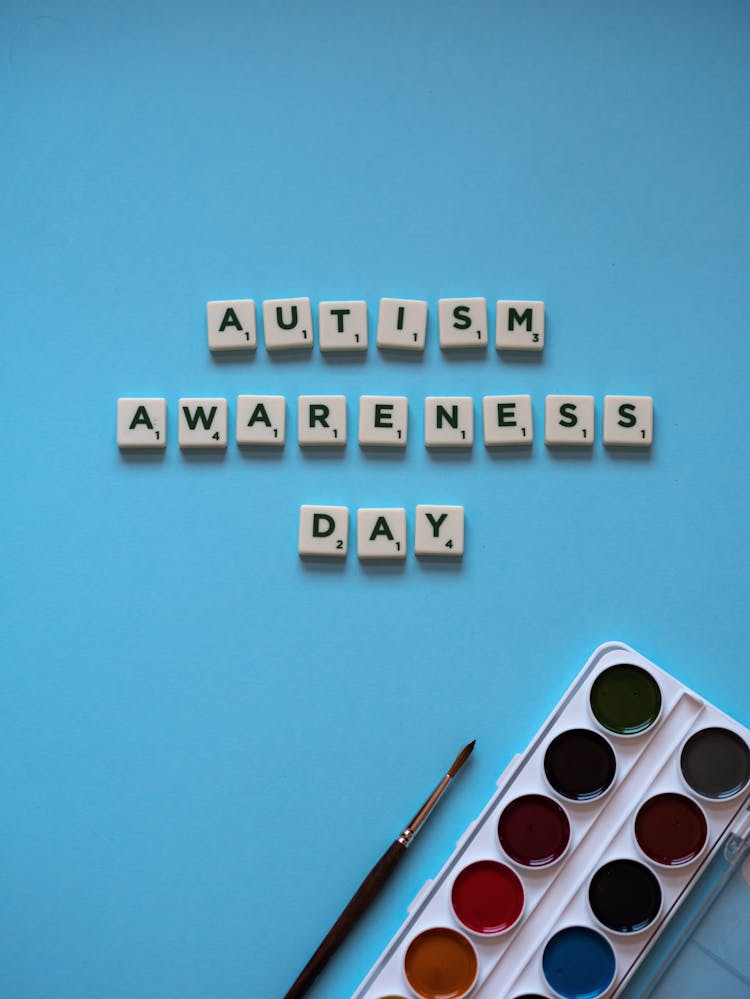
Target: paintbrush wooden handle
[[361, 899]]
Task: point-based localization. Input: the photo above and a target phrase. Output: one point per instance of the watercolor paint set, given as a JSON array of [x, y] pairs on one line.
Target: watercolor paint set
[[597, 835]]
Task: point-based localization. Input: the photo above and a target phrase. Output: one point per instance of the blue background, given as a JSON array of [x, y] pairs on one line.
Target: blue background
[[205, 743]]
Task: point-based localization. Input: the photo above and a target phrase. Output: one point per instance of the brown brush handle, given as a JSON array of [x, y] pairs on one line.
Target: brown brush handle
[[346, 922]]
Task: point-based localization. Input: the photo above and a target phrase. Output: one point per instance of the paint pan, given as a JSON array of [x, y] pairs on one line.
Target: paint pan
[[440, 963], [587, 851]]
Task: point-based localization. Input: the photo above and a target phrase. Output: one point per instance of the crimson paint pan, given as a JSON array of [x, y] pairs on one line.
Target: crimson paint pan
[[487, 898], [580, 765]]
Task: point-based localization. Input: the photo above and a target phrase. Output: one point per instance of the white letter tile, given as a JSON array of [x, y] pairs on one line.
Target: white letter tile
[[520, 326], [628, 420], [202, 423], [569, 420], [381, 533], [439, 530], [449, 421], [142, 424], [462, 322], [287, 324], [402, 324], [261, 420], [323, 531], [507, 420], [342, 326], [231, 325], [383, 420], [321, 420]]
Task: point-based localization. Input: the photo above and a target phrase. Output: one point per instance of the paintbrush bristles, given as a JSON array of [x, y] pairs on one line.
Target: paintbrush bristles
[[461, 759]]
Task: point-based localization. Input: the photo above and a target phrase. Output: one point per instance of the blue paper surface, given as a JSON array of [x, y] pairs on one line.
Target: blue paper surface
[[206, 743]]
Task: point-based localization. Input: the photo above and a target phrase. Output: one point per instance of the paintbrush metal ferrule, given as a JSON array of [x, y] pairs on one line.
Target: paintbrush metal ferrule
[[421, 817]]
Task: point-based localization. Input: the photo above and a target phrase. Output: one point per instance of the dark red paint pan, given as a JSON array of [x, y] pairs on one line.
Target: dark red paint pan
[[534, 830], [671, 829]]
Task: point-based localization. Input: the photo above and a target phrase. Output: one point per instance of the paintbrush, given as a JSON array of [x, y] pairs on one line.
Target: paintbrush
[[372, 884]]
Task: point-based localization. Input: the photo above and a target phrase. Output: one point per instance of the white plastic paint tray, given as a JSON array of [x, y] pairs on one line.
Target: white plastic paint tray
[[529, 959]]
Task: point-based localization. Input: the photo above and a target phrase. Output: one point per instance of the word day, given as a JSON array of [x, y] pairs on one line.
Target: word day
[[402, 325], [381, 532], [507, 420]]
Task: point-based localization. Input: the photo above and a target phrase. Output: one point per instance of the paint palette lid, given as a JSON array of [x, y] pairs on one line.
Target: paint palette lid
[[704, 951]]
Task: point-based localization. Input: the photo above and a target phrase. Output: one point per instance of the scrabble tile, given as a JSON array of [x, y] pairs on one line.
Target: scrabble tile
[[569, 420], [402, 324], [323, 531], [628, 420], [142, 424], [520, 326], [231, 325], [342, 326], [321, 420], [439, 530], [261, 420], [287, 324], [449, 421], [383, 420], [381, 533], [462, 322], [507, 420], [202, 423]]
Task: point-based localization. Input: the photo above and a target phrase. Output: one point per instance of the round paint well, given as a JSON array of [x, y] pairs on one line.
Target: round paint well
[[671, 829], [533, 830], [715, 763], [625, 699], [487, 897], [440, 963], [580, 764], [624, 895], [579, 963]]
